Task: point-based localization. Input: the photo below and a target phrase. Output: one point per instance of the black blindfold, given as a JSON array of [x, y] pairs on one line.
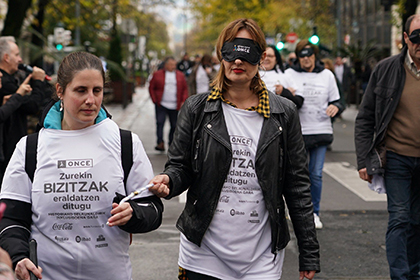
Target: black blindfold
[[243, 49], [415, 36], [306, 52]]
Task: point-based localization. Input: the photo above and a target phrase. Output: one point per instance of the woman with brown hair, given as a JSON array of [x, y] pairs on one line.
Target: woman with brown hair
[[238, 150], [72, 204], [201, 76]]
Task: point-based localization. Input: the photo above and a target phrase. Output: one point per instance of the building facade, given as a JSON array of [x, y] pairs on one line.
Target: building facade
[[364, 22]]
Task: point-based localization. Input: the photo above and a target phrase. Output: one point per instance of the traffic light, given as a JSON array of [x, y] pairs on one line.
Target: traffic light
[[59, 38], [280, 46], [314, 39]]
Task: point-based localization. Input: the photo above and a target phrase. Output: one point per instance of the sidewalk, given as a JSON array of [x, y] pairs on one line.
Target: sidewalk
[[125, 118]]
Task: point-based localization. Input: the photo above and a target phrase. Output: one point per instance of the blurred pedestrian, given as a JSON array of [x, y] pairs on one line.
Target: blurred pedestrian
[[328, 64], [32, 91], [387, 133], [272, 73], [168, 90], [291, 59], [344, 76], [184, 64], [216, 63], [201, 76], [318, 87], [69, 205], [238, 150]]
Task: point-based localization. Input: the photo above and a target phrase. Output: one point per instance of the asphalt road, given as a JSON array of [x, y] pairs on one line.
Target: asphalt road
[[352, 241]]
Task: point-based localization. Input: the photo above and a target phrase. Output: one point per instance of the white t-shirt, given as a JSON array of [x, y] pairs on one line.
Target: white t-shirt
[[202, 80], [169, 91], [77, 175], [272, 78], [317, 89], [237, 244]]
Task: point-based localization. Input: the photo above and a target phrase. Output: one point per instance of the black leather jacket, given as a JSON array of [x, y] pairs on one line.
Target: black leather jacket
[[379, 103], [199, 159]]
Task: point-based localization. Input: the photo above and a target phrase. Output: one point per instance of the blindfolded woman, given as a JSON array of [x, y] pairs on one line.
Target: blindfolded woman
[[238, 150]]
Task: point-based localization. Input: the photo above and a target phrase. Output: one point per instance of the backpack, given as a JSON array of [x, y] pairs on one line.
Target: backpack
[[126, 154]]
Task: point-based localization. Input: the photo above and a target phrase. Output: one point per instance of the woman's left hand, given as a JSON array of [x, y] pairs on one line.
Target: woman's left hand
[[121, 214], [279, 89], [306, 274], [331, 111]]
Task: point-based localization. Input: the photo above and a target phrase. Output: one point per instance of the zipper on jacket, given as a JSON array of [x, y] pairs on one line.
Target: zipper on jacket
[[197, 144], [379, 158]]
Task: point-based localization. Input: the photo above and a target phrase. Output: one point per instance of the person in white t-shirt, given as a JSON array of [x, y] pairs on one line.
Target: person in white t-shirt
[[272, 73], [201, 76], [239, 152], [318, 87], [72, 207], [168, 90]]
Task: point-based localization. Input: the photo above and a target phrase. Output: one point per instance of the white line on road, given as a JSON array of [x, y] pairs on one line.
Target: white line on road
[[348, 176]]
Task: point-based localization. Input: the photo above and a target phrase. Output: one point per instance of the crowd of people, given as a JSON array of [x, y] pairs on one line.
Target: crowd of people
[[248, 133]]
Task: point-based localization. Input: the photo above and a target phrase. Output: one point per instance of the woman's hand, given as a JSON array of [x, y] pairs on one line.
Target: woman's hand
[[279, 89], [24, 266], [160, 185], [331, 111], [306, 274], [121, 214]]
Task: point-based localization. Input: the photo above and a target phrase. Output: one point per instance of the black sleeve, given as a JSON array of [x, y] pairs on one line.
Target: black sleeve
[[15, 229], [33, 102], [297, 99], [339, 105], [147, 214], [10, 106]]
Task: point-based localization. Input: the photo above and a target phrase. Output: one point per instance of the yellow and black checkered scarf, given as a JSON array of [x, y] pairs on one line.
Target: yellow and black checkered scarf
[[263, 107]]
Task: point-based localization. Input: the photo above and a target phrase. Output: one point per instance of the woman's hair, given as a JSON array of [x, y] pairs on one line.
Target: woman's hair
[[302, 44], [279, 61], [76, 62], [228, 34], [206, 60], [328, 64]]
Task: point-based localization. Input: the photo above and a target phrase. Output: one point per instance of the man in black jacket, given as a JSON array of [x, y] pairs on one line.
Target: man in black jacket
[[15, 126], [387, 130]]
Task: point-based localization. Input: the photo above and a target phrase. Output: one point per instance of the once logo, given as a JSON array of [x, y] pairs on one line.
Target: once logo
[[240, 140], [75, 163], [65, 226]]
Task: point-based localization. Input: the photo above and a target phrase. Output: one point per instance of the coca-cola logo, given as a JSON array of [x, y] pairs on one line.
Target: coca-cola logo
[[65, 226]]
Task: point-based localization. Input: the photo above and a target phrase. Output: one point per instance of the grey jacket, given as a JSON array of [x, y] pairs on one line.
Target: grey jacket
[[199, 159], [379, 103]]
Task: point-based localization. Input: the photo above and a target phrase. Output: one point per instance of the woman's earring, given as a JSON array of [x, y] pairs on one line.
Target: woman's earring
[[61, 105]]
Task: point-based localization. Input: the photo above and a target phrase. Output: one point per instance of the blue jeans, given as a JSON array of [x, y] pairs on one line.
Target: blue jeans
[[316, 164], [161, 113], [402, 183]]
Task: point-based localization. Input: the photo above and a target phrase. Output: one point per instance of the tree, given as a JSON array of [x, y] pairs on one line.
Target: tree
[[407, 8], [273, 17], [16, 13]]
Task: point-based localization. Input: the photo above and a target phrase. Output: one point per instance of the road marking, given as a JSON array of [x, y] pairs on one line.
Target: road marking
[[348, 176]]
